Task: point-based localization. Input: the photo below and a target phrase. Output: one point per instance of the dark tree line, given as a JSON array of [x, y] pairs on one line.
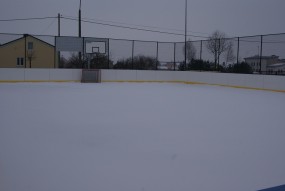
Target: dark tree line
[[98, 61], [101, 61], [138, 62], [202, 65]]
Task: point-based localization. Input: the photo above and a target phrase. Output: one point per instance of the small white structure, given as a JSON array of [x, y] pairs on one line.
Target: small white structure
[[276, 68], [254, 62]]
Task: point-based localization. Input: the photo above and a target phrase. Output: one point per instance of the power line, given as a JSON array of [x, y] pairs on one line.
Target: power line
[[133, 28], [46, 28], [99, 23], [93, 21], [123, 23], [26, 19]]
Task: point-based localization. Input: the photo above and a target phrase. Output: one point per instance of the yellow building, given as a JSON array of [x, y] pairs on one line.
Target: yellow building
[[27, 52]]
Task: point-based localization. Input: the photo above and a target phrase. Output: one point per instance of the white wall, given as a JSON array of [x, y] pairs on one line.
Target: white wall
[[237, 80], [37, 75], [274, 82], [241, 80], [12, 74], [41, 75], [65, 74]]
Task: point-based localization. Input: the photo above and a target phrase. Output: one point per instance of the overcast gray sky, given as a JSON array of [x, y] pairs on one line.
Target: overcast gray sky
[[234, 17]]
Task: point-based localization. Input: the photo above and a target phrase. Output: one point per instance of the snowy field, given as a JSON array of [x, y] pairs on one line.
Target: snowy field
[[140, 137]]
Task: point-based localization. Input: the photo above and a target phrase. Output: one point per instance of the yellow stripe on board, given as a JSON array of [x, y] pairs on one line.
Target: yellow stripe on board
[[199, 83], [133, 81], [38, 81]]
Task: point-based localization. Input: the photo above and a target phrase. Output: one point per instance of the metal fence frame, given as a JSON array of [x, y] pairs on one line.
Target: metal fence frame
[[175, 55]]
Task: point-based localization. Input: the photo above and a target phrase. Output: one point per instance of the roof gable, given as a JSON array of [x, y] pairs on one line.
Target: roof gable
[[25, 36]]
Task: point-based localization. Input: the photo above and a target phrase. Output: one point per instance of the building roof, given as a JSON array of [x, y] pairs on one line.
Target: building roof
[[278, 188], [24, 36], [276, 65], [263, 57]]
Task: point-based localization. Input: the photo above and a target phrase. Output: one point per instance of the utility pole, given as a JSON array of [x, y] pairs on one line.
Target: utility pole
[[58, 22], [185, 56], [57, 60], [79, 33], [79, 20]]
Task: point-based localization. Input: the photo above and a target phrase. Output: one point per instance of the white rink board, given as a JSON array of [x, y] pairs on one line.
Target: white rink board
[[39, 75], [213, 78], [227, 79]]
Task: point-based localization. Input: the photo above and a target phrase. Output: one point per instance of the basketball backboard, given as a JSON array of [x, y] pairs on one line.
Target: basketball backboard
[[95, 45]]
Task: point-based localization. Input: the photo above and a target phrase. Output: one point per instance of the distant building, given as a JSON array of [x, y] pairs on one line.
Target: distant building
[[278, 68], [27, 52], [162, 67], [169, 66], [254, 62]]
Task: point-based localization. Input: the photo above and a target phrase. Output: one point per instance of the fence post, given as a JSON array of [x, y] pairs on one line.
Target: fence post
[[216, 54], [55, 53], [82, 53], [201, 46], [108, 53], [156, 54], [219, 50], [174, 56], [185, 55], [133, 47], [260, 57], [25, 50], [238, 52]]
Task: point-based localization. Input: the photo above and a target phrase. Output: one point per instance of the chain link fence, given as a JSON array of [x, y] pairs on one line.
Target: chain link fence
[[263, 54]]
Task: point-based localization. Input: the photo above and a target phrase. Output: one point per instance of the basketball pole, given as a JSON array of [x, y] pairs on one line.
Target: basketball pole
[[185, 56]]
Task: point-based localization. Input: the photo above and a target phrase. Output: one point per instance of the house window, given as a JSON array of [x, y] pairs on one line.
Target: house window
[[20, 61], [30, 46]]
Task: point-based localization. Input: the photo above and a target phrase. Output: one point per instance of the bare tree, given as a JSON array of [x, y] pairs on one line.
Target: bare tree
[[229, 54], [217, 44], [190, 51]]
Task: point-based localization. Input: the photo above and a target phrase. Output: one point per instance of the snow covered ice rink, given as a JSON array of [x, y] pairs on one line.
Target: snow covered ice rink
[[140, 137]]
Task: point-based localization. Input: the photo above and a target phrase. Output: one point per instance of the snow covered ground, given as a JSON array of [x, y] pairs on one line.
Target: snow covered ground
[[140, 137]]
